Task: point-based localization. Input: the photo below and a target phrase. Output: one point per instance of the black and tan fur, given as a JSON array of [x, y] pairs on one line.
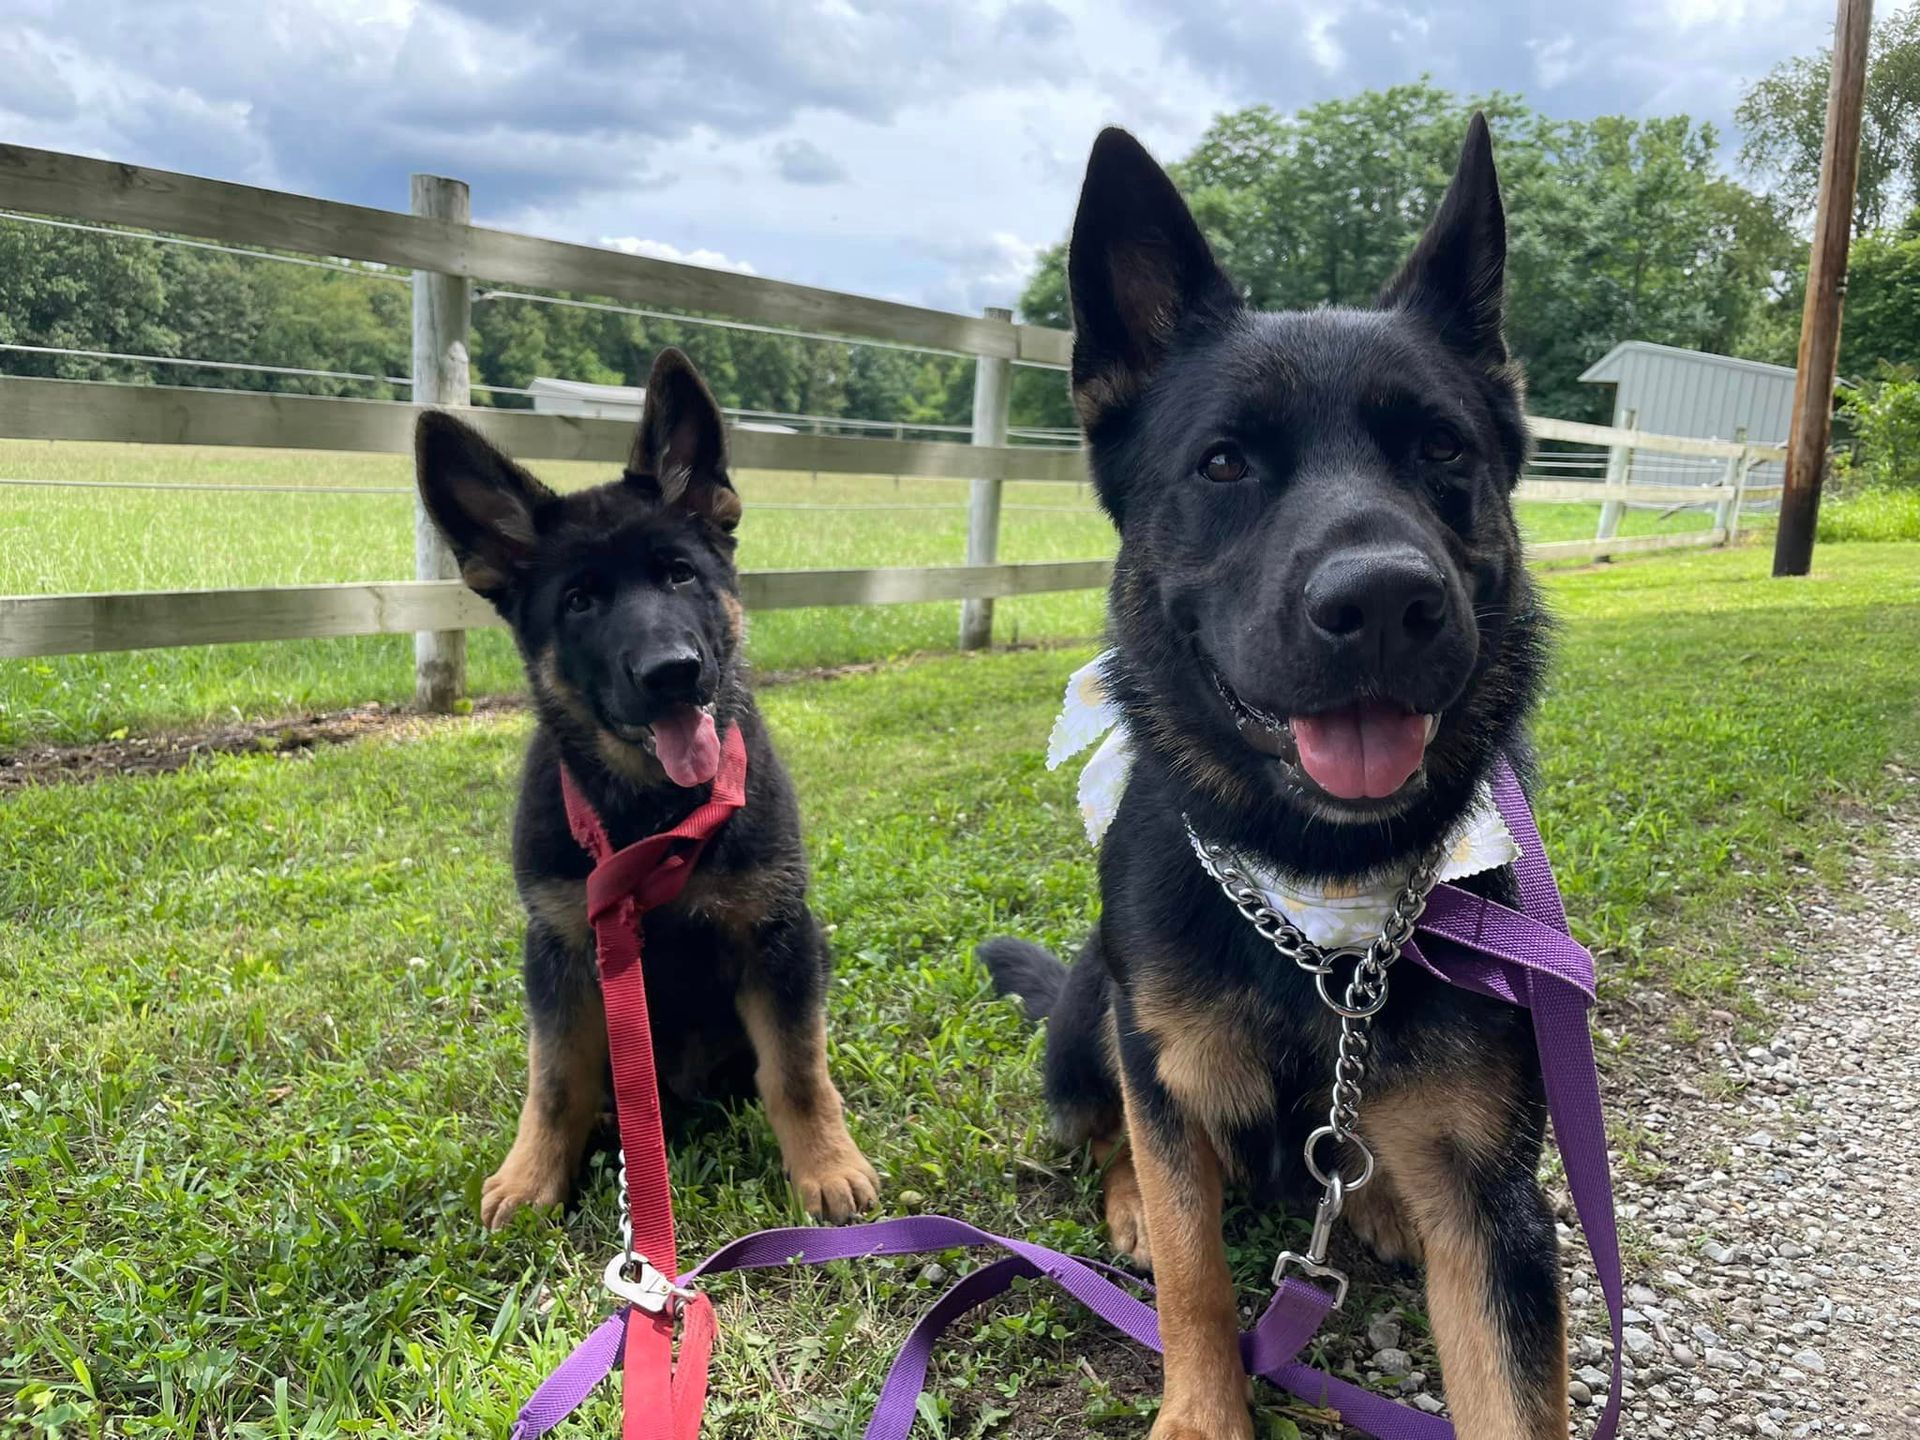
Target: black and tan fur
[[624, 599], [1240, 454]]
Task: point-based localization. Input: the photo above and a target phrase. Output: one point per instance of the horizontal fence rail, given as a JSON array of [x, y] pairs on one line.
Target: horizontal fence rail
[[47, 182], [145, 619], [33, 409]]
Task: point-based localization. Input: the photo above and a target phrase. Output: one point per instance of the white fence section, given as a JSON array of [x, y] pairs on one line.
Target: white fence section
[[446, 253]]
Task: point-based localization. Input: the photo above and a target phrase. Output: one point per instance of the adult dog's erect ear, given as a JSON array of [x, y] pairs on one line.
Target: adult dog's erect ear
[[486, 506], [681, 445], [1456, 278], [1137, 267]]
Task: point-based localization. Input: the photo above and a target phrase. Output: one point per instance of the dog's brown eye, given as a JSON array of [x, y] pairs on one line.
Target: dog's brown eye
[[680, 572], [1440, 445], [1224, 464], [578, 600]]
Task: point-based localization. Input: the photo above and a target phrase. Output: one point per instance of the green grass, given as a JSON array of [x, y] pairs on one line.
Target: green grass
[[259, 1024], [89, 539], [1872, 514]]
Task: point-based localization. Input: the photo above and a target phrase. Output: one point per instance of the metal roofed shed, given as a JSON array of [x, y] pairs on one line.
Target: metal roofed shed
[[1665, 390], [1689, 392]]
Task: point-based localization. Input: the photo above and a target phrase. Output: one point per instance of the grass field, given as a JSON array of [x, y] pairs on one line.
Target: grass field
[[55, 540], [259, 1025]]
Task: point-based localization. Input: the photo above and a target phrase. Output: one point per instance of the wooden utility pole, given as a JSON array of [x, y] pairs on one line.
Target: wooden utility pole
[[1826, 290]]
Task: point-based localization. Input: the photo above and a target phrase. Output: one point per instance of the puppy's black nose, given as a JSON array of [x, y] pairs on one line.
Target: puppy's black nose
[[669, 674], [1389, 603]]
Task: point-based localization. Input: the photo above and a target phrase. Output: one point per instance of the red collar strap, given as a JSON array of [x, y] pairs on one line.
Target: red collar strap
[[663, 1401]]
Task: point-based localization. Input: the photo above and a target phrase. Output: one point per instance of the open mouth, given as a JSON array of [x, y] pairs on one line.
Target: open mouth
[[1369, 750], [684, 739]]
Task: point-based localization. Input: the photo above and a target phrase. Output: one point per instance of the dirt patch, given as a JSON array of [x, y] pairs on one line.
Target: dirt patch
[[166, 751], [163, 753]]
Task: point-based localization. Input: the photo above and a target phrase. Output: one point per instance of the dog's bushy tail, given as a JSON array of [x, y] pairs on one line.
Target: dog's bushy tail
[[1032, 972]]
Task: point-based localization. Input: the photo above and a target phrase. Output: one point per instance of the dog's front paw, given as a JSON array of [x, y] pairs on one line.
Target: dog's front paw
[[1235, 1423], [836, 1183], [520, 1180]]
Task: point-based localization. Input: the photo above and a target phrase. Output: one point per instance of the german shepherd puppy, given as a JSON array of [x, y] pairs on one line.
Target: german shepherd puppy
[[1325, 637], [625, 604]]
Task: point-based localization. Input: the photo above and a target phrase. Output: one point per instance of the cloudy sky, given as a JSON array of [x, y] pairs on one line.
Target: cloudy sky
[[919, 150]]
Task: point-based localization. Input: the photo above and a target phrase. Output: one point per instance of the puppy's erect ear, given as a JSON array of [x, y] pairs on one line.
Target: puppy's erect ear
[[1137, 267], [681, 446], [485, 505], [1456, 278]]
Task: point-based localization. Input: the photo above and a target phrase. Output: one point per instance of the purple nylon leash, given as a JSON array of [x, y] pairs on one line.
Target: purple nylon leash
[[1525, 959]]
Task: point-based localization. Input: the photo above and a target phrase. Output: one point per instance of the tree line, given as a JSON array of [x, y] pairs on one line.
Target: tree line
[[1620, 228]]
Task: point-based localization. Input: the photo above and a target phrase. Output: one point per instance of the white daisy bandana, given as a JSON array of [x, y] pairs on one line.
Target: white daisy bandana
[[1331, 913]]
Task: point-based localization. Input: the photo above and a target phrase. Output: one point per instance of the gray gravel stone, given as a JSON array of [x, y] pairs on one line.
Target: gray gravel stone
[[1393, 1362]]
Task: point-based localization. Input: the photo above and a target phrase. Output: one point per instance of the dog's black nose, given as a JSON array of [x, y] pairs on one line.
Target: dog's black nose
[[1389, 603], [671, 674]]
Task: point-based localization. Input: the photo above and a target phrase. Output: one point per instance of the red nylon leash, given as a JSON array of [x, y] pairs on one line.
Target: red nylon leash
[[660, 1400]]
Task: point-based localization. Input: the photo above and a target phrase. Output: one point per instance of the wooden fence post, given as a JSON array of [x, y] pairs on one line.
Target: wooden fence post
[[1726, 515], [1619, 471], [992, 392], [442, 308]]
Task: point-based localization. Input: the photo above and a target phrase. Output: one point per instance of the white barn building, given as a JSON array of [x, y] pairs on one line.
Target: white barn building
[[1669, 391]]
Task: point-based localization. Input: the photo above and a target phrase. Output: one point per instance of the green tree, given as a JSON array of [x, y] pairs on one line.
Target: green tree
[[80, 291], [1784, 120], [1881, 325], [1624, 229], [1617, 228]]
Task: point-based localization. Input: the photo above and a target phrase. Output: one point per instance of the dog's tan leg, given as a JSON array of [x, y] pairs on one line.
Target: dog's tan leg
[[834, 1179], [1178, 1173], [1120, 1194], [1468, 1185], [566, 1082]]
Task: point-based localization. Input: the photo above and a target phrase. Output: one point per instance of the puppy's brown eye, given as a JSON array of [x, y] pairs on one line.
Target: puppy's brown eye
[[578, 600], [1440, 445], [680, 572], [1224, 464]]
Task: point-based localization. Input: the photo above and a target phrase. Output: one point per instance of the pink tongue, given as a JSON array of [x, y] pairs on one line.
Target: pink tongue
[[687, 745], [1365, 752]]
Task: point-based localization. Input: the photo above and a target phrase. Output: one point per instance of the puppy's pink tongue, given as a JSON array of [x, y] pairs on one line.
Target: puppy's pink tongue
[[687, 745], [1364, 752]]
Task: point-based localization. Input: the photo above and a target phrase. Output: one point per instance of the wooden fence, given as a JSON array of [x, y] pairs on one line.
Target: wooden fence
[[445, 252]]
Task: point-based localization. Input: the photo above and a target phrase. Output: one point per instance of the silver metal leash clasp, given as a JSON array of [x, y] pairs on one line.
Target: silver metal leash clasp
[[1314, 1262], [636, 1280]]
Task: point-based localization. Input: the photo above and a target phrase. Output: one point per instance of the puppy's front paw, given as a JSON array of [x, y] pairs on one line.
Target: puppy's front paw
[[520, 1180], [836, 1183]]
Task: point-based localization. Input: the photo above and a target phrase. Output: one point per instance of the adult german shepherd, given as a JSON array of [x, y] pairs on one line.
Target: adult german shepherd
[[1325, 637], [625, 604]]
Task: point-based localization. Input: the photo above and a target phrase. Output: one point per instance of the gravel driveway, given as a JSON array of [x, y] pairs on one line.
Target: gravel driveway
[[1770, 1201], [1775, 1284]]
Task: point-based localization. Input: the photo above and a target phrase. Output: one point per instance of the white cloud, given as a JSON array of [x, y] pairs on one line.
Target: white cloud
[[661, 250], [1552, 59], [926, 150]]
